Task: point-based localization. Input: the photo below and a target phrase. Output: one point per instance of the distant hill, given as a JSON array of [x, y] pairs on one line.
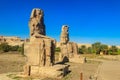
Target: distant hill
[[87, 45], [11, 40]]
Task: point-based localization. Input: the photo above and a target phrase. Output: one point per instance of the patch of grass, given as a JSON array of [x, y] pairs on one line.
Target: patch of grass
[[9, 75], [49, 79], [15, 77], [93, 62], [67, 77], [105, 58], [90, 56]]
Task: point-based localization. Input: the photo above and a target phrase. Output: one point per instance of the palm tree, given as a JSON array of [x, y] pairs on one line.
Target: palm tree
[[96, 47], [104, 48], [82, 49]]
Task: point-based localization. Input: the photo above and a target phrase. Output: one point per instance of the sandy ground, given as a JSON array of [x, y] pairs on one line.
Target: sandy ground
[[109, 70], [11, 63], [104, 67], [87, 69]]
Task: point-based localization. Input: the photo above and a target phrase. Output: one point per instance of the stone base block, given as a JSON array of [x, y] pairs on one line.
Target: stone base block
[[56, 71]]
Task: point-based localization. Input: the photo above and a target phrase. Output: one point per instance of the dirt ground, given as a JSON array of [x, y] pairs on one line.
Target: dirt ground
[[87, 69], [109, 70], [13, 62]]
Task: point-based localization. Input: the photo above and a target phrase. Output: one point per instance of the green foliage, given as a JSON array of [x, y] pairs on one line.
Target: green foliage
[[82, 49], [114, 50], [21, 49], [97, 47], [14, 48], [118, 51], [90, 50], [4, 47], [103, 47], [57, 49], [109, 52]]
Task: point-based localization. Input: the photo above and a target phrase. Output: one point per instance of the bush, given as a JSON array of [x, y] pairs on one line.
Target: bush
[[21, 49], [118, 51], [114, 53], [90, 50], [113, 50], [81, 51], [14, 48], [4, 47]]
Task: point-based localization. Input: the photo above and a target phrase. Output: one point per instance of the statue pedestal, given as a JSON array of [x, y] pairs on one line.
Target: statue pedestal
[[40, 51], [56, 71], [41, 59]]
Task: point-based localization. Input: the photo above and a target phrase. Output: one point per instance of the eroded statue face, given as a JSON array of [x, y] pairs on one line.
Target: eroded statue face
[[36, 23], [64, 34], [65, 28]]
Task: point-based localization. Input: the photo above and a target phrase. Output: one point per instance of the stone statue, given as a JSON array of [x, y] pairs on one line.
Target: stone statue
[[36, 23], [40, 50], [64, 39], [68, 49]]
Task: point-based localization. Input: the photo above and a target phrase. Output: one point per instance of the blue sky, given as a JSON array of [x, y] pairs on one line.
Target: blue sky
[[89, 20]]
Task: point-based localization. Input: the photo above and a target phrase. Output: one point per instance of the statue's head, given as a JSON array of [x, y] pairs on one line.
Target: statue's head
[[64, 35], [65, 28], [36, 13]]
